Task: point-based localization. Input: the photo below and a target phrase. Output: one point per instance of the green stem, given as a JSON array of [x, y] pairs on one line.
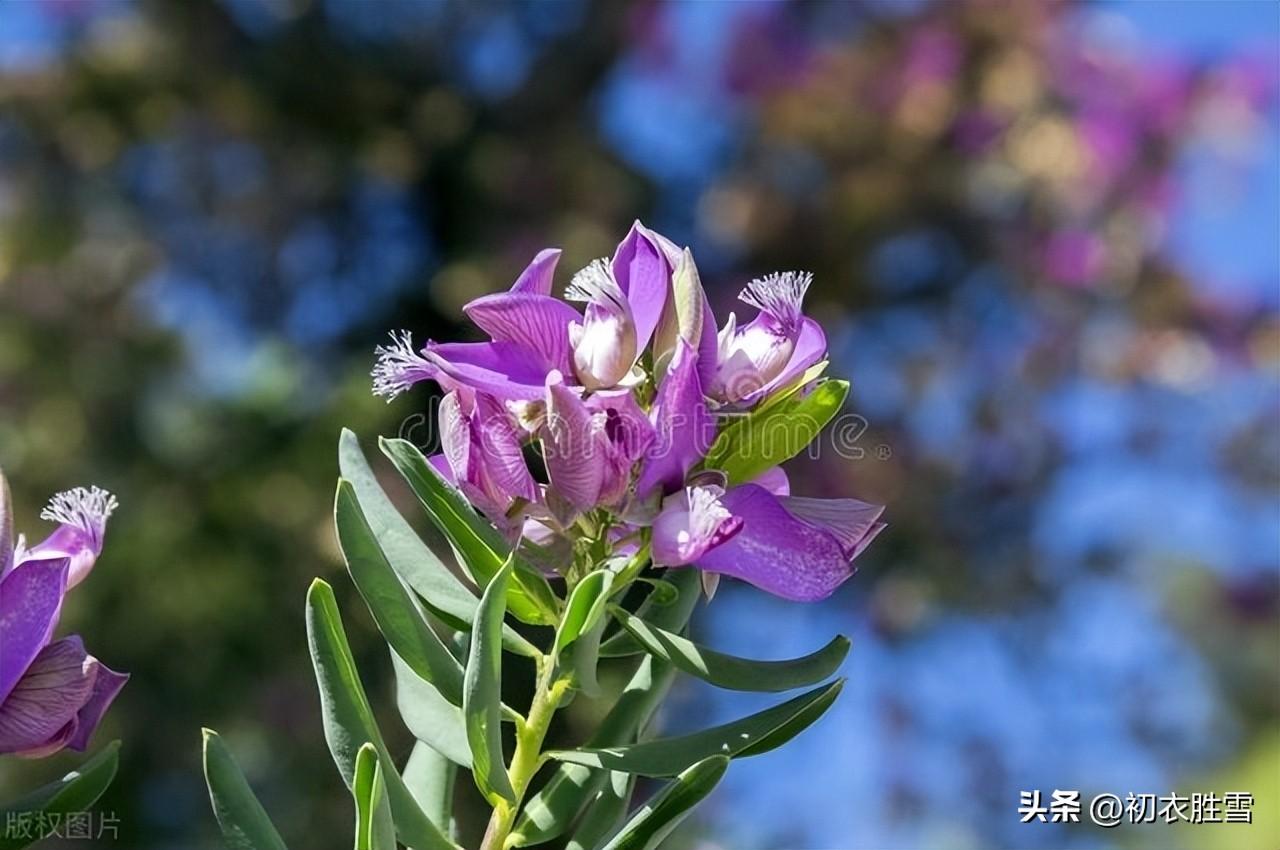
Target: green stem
[[528, 755]]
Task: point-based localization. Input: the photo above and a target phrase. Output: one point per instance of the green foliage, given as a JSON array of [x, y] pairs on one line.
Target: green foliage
[[374, 829], [731, 672], [663, 813], [75, 792], [482, 693], [775, 432], [245, 824], [749, 736]]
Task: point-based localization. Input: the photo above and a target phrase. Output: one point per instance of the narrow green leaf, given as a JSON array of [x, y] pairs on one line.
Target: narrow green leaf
[[442, 591], [749, 445], [656, 820], [657, 610], [430, 777], [550, 811], [374, 829], [748, 736], [348, 719], [482, 693], [49, 804], [478, 544], [585, 607], [429, 716], [398, 618], [605, 813], [245, 824], [731, 672]]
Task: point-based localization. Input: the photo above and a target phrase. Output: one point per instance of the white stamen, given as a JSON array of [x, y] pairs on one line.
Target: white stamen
[[85, 509], [781, 295], [595, 284], [398, 366]]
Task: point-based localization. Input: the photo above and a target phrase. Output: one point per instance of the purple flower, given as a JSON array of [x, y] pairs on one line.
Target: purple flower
[[622, 401], [482, 454], [775, 348], [52, 693], [792, 547]]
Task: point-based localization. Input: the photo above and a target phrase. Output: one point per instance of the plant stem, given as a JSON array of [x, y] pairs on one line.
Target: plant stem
[[528, 755]]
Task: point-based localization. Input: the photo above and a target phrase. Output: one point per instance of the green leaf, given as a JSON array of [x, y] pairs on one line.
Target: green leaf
[[49, 804], [655, 609], [374, 829], [731, 672], [398, 618], [748, 736], [749, 445], [585, 607], [443, 592], [430, 776], [348, 719], [656, 820], [550, 811], [605, 813], [429, 716], [482, 693], [245, 824], [479, 546]]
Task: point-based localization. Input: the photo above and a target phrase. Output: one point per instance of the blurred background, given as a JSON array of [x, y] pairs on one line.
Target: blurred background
[[1046, 239]]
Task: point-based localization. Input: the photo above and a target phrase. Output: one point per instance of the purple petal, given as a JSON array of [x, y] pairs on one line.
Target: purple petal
[[691, 523], [850, 521], [537, 277], [572, 446], [538, 322], [440, 464], [30, 599], [107, 684], [708, 347], [455, 437], [38, 716], [626, 424], [774, 480], [810, 347], [644, 276], [505, 474], [776, 551], [505, 370], [684, 425]]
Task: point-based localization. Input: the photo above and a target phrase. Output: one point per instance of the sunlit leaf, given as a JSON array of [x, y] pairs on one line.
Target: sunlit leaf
[[49, 804], [728, 671], [478, 544], [442, 591], [659, 609], [605, 813], [751, 444], [348, 719], [748, 736], [245, 824], [658, 817], [482, 692], [374, 829], [430, 777], [428, 715], [393, 609]]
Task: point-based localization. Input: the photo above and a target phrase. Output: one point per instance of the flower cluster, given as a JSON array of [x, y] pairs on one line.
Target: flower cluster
[[52, 692], [601, 420]]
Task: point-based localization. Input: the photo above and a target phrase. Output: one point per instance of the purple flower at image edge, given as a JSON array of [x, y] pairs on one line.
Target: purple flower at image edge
[[621, 434], [52, 692]]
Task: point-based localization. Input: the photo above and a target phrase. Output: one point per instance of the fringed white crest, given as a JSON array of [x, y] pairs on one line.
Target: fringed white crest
[[398, 366], [595, 285], [84, 508], [781, 295]]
